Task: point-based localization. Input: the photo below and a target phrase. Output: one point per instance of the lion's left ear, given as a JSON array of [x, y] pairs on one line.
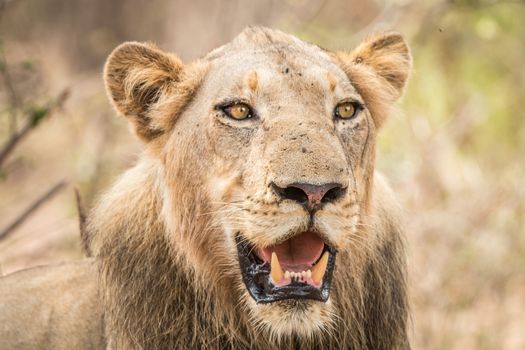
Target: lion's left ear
[[379, 68]]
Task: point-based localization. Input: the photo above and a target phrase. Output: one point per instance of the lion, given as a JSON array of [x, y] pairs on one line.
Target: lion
[[254, 219]]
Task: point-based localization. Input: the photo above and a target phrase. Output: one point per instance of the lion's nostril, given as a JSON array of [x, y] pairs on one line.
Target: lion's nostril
[[333, 194], [312, 197], [290, 192], [295, 194]]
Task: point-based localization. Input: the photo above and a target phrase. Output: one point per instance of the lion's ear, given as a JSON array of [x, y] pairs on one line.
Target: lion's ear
[[379, 68], [136, 77]]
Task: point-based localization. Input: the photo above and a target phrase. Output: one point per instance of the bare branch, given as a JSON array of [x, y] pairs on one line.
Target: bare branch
[[32, 208], [14, 100], [35, 117], [82, 224], [12, 97], [308, 21], [3, 4]]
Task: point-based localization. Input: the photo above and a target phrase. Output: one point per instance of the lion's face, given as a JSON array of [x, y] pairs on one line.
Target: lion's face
[[276, 138], [286, 176]]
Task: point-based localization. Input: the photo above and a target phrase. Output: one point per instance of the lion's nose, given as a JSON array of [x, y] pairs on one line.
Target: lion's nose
[[312, 197]]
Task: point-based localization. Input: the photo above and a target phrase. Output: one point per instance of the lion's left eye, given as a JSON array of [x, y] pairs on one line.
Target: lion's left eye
[[346, 110], [239, 111]]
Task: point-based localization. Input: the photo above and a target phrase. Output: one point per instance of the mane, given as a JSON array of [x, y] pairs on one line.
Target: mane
[[154, 299]]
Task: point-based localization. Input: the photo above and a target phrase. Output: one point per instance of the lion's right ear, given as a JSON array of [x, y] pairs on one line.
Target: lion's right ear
[[136, 76]]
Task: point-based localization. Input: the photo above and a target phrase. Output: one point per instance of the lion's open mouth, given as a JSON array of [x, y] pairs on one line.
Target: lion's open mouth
[[298, 268]]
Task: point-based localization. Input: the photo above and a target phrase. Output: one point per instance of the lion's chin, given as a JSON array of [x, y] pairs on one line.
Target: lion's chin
[[305, 318]]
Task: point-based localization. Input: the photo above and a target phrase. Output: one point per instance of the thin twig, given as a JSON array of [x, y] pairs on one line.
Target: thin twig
[[8, 82], [307, 22], [35, 117], [82, 223], [12, 96], [3, 4], [32, 208], [14, 100]]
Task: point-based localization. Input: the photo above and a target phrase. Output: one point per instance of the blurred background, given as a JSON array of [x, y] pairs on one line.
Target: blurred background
[[455, 154]]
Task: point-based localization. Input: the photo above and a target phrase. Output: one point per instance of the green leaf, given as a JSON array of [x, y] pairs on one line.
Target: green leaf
[[37, 115]]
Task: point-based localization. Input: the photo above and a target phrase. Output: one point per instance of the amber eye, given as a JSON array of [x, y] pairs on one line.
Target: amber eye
[[346, 110], [239, 111]]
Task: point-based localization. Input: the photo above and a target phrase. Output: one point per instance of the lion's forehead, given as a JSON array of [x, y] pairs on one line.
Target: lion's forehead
[[307, 74]]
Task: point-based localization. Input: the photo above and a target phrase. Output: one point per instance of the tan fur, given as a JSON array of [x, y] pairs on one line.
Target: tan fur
[[332, 81], [164, 234], [52, 307], [253, 80]]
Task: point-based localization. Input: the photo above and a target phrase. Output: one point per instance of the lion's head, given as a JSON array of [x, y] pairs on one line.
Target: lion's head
[[257, 181]]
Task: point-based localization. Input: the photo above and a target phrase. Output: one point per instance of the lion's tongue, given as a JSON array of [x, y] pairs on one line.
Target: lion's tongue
[[298, 253]]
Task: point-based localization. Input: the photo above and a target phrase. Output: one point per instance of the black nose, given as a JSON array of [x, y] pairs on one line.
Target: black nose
[[312, 197]]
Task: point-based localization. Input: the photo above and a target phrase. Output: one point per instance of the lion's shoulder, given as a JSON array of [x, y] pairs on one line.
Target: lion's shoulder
[[56, 305]]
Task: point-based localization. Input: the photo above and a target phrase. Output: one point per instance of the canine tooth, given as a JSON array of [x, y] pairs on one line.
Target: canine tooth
[[287, 275], [276, 270], [320, 268]]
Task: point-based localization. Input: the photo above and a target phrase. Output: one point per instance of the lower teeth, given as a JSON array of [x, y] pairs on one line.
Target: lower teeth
[[313, 276]]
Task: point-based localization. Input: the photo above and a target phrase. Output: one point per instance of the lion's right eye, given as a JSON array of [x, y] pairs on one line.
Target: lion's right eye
[[239, 111]]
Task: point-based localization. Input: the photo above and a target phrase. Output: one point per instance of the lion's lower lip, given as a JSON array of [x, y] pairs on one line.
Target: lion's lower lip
[[256, 273]]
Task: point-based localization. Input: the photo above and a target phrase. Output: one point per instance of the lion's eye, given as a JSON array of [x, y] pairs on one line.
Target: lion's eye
[[346, 110], [239, 111]]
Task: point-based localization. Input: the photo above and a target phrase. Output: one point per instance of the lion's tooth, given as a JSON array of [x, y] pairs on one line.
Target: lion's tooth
[[309, 273], [276, 270], [320, 268], [287, 275]]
